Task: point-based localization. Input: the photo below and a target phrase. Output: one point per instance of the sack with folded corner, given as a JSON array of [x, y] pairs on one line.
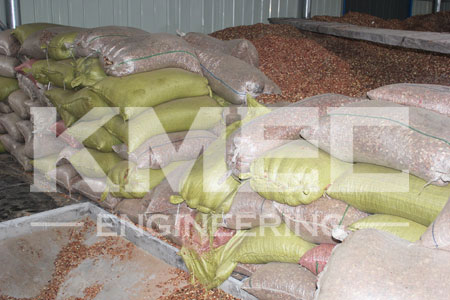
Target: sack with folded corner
[[90, 42], [147, 53], [88, 71], [160, 150], [277, 128], [28, 86], [22, 32], [231, 78], [58, 97], [239, 48], [61, 45], [64, 175], [387, 134], [315, 222], [429, 96], [254, 246]]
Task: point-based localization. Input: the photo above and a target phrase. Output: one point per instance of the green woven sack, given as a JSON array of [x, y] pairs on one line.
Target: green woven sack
[[209, 186], [7, 86], [295, 173], [401, 227], [82, 102], [176, 115], [93, 163], [130, 182], [24, 31], [149, 89], [255, 246], [60, 73], [88, 71], [420, 202], [59, 97], [37, 70], [61, 46], [100, 140]]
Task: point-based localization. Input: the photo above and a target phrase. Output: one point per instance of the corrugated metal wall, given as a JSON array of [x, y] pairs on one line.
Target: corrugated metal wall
[[157, 15]]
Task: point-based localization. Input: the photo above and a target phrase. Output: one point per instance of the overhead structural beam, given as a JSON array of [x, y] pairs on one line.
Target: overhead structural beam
[[12, 13], [307, 12]]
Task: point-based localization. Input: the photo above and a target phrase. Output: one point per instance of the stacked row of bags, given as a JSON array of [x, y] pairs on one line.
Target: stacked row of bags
[[268, 201], [264, 197], [121, 72], [15, 127]]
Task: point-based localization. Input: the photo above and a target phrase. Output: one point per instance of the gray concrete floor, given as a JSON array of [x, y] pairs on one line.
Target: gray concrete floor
[[77, 263]]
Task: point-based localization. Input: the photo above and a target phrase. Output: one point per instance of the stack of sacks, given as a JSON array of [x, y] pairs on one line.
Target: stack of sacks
[[13, 110], [124, 71], [293, 186]]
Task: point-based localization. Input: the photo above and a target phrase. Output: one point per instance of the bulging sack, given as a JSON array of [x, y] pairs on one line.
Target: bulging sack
[[250, 210], [58, 97], [296, 173], [437, 235], [314, 222], [7, 65], [371, 264], [9, 121], [9, 45], [90, 162], [16, 101], [277, 128], [401, 227], [22, 32], [317, 258], [147, 53], [35, 45], [134, 92], [7, 86], [281, 281], [429, 96], [390, 135], [239, 48], [178, 115], [160, 150], [90, 41], [45, 144], [231, 78], [83, 101], [380, 190], [28, 86]]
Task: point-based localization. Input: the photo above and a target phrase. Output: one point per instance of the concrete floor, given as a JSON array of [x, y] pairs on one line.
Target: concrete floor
[[92, 267]]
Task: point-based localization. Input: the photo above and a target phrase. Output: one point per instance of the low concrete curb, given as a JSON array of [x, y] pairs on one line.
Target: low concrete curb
[[428, 41]]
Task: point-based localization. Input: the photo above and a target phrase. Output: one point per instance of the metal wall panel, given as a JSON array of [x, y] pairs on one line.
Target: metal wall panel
[[160, 15], [421, 7]]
